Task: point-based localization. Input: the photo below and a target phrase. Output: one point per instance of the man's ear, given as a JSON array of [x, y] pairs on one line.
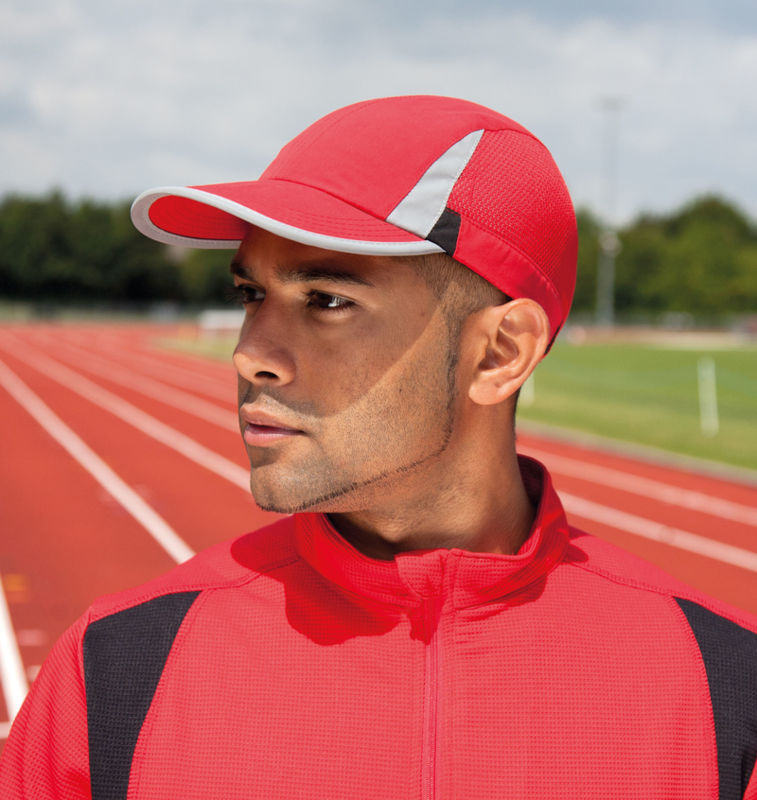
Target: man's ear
[[509, 341]]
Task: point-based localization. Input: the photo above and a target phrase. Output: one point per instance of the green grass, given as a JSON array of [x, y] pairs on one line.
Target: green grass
[[648, 395], [630, 392]]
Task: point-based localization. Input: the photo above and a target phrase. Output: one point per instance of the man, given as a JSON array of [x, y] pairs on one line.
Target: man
[[426, 624]]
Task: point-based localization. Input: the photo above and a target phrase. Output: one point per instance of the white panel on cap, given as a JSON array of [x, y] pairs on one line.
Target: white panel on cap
[[422, 206]]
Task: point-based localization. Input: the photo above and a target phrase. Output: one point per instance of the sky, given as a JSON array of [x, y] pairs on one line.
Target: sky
[[644, 105]]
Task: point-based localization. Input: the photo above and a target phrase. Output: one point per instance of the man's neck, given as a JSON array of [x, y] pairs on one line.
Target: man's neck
[[493, 517]]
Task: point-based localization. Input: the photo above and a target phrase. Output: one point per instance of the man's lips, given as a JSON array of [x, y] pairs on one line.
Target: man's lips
[[260, 429]]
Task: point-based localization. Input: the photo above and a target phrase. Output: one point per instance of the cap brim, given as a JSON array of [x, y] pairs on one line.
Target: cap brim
[[219, 215]]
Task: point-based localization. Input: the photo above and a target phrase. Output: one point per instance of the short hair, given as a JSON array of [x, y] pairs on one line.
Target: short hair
[[460, 290]]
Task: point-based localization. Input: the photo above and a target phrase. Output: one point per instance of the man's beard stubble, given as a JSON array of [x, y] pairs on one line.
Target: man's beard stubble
[[324, 499]]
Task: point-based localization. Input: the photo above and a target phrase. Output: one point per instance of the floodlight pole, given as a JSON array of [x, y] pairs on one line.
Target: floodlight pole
[[609, 245]]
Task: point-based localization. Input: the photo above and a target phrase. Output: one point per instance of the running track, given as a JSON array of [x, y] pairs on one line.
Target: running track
[[119, 459]]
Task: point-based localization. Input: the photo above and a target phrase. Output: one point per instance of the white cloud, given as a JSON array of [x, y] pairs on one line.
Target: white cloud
[[109, 98]]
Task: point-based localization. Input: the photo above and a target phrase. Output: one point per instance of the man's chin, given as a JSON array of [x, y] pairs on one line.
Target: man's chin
[[281, 489], [297, 505], [288, 496]]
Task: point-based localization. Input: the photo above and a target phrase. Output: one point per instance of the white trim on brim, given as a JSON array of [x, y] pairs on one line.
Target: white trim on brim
[[140, 215]]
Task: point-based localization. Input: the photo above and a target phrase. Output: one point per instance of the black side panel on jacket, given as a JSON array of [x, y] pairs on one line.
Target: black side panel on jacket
[[729, 653], [124, 656]]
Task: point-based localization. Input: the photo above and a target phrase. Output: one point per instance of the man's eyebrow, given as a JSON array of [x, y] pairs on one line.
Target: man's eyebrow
[[309, 271], [320, 271]]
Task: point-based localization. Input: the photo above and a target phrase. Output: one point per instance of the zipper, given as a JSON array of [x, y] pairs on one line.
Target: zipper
[[431, 702]]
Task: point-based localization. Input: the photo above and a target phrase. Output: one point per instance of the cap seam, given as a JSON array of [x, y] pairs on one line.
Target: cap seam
[[336, 197], [335, 120]]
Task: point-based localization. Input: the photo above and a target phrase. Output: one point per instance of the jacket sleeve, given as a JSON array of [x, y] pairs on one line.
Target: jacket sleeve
[[46, 755]]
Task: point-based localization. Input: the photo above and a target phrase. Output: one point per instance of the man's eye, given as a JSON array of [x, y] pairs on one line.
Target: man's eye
[[328, 302], [245, 294]]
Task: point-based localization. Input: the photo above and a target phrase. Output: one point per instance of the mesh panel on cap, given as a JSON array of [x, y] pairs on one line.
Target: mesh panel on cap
[[512, 187]]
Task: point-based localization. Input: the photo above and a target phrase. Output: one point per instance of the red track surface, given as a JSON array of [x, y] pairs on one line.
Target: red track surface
[[65, 539]]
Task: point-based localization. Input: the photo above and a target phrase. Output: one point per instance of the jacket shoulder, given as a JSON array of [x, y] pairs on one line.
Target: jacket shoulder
[[615, 564], [224, 565], [724, 639]]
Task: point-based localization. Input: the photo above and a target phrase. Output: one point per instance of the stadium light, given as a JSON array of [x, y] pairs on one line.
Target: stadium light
[[609, 244]]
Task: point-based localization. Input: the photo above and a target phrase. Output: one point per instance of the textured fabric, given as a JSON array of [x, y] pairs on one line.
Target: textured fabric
[[535, 194], [304, 669]]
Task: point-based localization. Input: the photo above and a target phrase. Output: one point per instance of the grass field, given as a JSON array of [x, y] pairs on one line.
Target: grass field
[[639, 393], [649, 395]]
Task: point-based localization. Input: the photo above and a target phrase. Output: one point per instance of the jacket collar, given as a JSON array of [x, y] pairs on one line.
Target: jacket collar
[[457, 576]]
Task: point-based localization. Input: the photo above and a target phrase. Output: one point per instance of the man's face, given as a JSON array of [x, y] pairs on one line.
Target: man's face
[[346, 376]]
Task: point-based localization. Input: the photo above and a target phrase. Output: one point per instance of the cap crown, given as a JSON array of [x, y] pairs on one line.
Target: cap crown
[[508, 192], [401, 176]]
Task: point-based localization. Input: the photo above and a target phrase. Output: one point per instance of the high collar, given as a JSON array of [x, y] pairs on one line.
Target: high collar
[[461, 577]]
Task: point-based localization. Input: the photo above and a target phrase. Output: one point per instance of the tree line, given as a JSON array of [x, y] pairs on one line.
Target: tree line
[[699, 260]]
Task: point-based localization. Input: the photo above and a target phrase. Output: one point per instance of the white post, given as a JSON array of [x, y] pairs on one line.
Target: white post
[[528, 392], [708, 397], [608, 239], [12, 675]]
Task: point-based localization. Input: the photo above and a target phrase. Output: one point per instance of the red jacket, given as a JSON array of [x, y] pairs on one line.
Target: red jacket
[[286, 664]]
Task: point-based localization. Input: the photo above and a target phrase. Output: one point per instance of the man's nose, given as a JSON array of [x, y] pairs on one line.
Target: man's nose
[[263, 353]]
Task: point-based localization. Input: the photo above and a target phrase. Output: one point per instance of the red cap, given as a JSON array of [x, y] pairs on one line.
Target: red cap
[[400, 176]]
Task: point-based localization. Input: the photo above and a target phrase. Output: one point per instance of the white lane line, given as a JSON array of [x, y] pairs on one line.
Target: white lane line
[[149, 387], [159, 363], [31, 637], [167, 372], [673, 495], [12, 675], [158, 528], [215, 388], [675, 537], [5, 729], [132, 415]]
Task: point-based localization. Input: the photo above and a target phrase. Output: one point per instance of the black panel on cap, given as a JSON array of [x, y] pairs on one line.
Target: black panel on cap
[[445, 231]]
